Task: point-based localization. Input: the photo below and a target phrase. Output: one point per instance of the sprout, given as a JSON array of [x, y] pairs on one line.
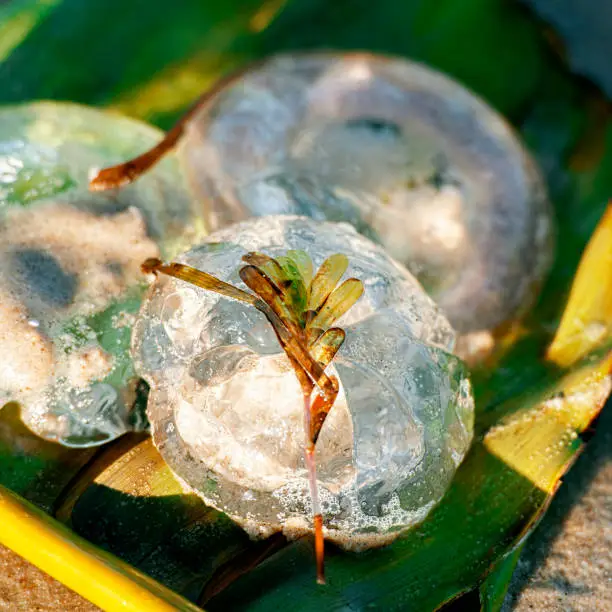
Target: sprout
[[301, 310]]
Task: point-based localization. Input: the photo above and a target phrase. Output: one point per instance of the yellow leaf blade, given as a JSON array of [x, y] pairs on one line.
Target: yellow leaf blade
[[339, 302], [326, 279], [587, 319], [541, 441], [98, 576]]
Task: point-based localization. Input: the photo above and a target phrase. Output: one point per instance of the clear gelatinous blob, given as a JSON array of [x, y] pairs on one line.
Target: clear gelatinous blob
[[70, 280], [226, 408], [408, 156]]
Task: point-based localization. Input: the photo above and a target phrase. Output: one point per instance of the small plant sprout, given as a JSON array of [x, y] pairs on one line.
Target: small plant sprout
[[301, 309]]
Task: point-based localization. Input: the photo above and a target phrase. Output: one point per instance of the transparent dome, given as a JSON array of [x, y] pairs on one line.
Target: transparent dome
[[408, 156], [70, 279], [226, 407]]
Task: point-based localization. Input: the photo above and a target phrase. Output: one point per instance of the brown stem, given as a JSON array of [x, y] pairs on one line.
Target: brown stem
[[127, 172], [319, 548]]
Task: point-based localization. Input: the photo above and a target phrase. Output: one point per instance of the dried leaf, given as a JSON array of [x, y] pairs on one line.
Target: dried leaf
[[260, 283], [269, 266], [285, 274], [326, 346], [319, 409], [198, 278]]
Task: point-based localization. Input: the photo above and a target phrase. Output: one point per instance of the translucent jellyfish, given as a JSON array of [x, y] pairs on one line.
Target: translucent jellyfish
[[226, 407], [70, 280], [408, 156]]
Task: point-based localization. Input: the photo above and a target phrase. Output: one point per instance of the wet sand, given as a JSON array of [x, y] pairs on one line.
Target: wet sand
[[567, 563], [24, 588]]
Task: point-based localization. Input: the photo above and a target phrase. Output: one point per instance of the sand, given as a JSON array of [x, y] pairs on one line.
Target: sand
[[567, 562], [24, 587]]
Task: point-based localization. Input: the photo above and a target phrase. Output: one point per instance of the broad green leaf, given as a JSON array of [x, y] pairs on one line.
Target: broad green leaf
[[128, 503], [18, 18], [540, 441], [587, 320], [146, 59], [493, 590], [151, 60], [36, 469]]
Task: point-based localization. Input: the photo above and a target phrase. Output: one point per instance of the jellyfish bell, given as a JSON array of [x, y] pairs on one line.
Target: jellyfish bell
[[226, 408], [408, 156], [70, 280]]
